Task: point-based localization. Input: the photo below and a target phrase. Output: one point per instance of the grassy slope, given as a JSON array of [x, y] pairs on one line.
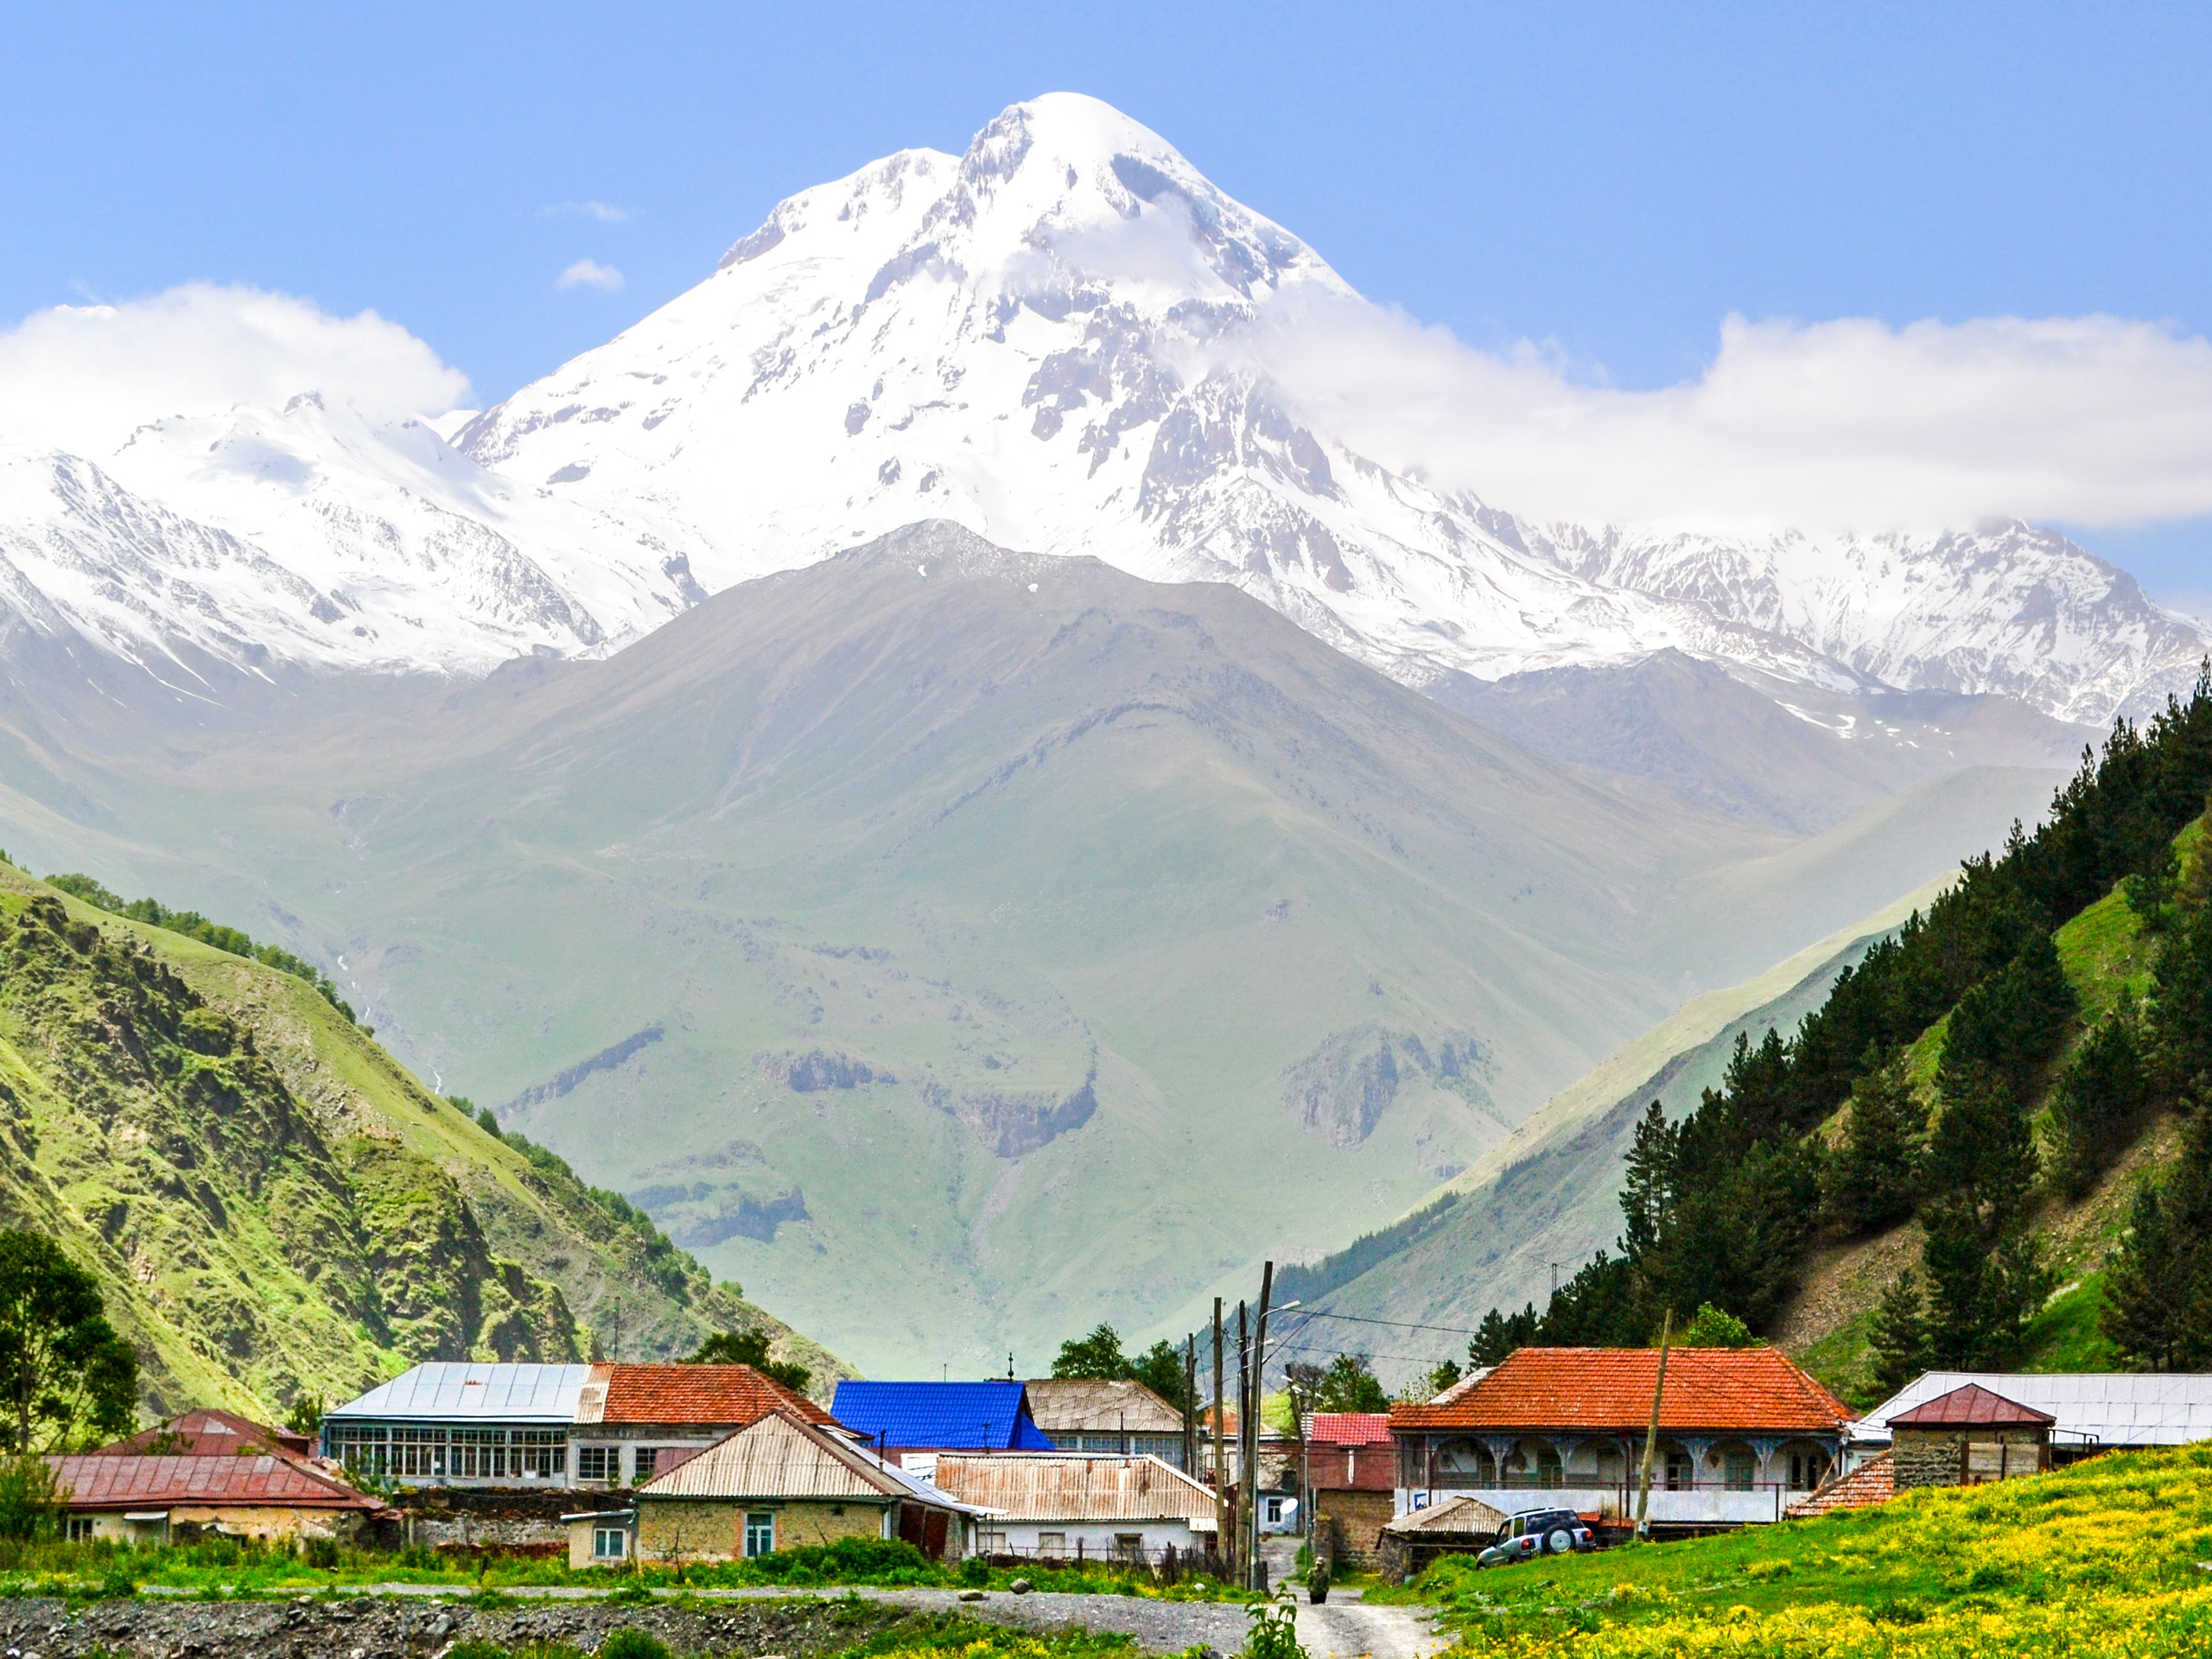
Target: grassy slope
[[2105, 952], [295, 1213], [2102, 1558]]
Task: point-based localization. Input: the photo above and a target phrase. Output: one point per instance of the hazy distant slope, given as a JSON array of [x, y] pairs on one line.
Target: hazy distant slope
[[941, 940]]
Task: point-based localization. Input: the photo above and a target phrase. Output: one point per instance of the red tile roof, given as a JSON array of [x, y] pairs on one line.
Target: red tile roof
[[732, 1394], [1348, 1428], [99, 1481], [1872, 1482], [1596, 1388], [210, 1433], [1973, 1405]]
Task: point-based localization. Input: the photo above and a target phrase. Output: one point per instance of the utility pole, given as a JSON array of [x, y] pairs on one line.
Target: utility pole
[[1191, 1404], [1240, 1512], [1652, 1434], [1220, 1446], [1259, 1400]]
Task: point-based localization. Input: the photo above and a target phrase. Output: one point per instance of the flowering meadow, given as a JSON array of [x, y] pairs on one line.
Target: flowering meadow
[[2111, 1558]]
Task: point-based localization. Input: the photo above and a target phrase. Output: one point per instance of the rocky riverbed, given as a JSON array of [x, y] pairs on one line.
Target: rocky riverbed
[[411, 1627]]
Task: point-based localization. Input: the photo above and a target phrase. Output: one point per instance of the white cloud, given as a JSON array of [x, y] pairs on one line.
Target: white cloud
[[82, 378], [604, 212], [590, 273], [1845, 424]]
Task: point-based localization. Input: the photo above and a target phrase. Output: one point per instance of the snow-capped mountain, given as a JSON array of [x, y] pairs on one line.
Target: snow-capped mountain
[[1056, 340]]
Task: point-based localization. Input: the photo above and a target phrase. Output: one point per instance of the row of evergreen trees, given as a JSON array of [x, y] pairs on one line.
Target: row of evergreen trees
[[1720, 1208]]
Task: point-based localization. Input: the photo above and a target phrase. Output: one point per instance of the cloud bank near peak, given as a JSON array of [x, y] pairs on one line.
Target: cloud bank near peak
[[1849, 424], [82, 378]]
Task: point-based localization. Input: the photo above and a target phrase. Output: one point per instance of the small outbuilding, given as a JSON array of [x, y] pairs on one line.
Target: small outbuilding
[[1967, 1437], [779, 1482], [1457, 1526], [1064, 1506]]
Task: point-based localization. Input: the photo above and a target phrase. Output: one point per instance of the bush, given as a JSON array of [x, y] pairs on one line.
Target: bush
[[30, 1501], [631, 1643], [321, 1553]]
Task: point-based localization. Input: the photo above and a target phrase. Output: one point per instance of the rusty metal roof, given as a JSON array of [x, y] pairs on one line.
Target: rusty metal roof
[[209, 1431], [1063, 1486], [1973, 1406], [1075, 1405], [101, 1481]]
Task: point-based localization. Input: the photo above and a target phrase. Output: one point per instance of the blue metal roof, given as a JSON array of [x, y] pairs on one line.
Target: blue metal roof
[[445, 1391], [941, 1416]]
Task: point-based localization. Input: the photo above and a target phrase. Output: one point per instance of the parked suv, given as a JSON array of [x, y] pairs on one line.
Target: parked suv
[[1538, 1532]]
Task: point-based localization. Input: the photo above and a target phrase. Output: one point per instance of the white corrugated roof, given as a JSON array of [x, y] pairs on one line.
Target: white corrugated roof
[[451, 1391], [1046, 1486], [2107, 1407]]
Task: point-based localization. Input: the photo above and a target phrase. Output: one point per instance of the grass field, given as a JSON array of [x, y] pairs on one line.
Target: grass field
[[2107, 1558], [233, 1567]]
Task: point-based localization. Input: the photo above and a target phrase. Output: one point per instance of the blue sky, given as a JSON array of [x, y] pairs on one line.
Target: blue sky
[[1608, 182]]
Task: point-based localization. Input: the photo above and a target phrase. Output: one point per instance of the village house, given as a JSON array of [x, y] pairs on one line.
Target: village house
[[1351, 1469], [454, 1424], [1742, 1432], [1083, 1415], [174, 1497], [780, 1482], [1089, 1506], [897, 1418]]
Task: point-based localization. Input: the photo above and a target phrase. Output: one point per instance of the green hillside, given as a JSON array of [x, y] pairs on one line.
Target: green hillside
[[1939, 1166], [273, 1205]]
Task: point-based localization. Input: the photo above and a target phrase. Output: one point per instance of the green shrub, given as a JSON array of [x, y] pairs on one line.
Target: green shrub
[[631, 1643]]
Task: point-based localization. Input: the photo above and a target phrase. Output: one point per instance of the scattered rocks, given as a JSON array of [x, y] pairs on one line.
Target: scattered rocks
[[1020, 1586], [971, 1595]]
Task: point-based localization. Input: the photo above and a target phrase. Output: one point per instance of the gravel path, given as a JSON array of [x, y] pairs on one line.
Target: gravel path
[[1344, 1627]]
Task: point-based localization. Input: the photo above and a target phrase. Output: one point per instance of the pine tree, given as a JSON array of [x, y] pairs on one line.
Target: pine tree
[[2158, 1289], [2180, 1022], [1873, 1180], [1644, 1200], [1985, 1283], [1899, 1334], [2102, 1095], [1981, 1151]]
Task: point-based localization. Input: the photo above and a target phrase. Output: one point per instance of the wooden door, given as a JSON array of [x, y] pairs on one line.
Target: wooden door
[[934, 1531]]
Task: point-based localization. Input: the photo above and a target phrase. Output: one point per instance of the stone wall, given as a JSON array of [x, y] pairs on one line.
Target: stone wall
[[711, 1529], [509, 1520], [1350, 1524], [1939, 1456]]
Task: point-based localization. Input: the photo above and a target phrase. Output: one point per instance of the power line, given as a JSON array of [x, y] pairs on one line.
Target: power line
[[1402, 1325]]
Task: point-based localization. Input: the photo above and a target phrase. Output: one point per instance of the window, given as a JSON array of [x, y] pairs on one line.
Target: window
[[362, 1447], [1679, 1472], [1275, 1512], [1128, 1546], [609, 1543], [1741, 1467], [79, 1529], [541, 1451], [599, 1463], [418, 1453], [759, 1533], [1806, 1469], [1052, 1545], [477, 1454], [645, 1458]]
